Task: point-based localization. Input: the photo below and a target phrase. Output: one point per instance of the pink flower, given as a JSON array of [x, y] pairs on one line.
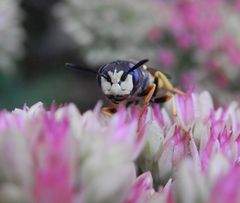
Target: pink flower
[[52, 168], [196, 22], [227, 187], [237, 5], [193, 107], [154, 34], [141, 190], [186, 151], [167, 57]]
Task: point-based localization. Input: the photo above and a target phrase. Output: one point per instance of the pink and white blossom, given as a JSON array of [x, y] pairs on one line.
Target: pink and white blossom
[[187, 151]]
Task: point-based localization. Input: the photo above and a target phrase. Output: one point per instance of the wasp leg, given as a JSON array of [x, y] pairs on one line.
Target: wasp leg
[[150, 91], [163, 82], [166, 98], [109, 111], [162, 99]]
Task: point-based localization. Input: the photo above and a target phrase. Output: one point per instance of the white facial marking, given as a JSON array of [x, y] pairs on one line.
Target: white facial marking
[[117, 87], [127, 85], [106, 86], [116, 76]]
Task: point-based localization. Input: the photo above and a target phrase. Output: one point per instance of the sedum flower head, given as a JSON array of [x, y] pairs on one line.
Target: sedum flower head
[[202, 36], [107, 30], [187, 151]]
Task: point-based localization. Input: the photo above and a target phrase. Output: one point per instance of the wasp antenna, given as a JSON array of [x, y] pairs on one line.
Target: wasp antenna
[[79, 68], [137, 65], [72, 66]]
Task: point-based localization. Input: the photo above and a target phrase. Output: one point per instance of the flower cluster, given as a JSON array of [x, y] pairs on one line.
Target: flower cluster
[[12, 34], [194, 151], [187, 151], [204, 38], [108, 30], [63, 156]]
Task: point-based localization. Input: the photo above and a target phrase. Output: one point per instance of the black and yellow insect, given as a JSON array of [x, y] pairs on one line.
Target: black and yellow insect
[[128, 82]]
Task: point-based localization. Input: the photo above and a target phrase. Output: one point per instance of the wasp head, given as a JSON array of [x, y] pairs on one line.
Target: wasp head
[[119, 79]]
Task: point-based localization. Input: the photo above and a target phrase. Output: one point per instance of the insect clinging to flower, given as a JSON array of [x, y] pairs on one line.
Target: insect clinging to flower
[[128, 82]]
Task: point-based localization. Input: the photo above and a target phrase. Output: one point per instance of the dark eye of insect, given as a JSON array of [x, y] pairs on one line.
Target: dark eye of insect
[[107, 78]]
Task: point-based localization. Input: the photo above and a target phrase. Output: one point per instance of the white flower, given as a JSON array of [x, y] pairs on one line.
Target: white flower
[[12, 34], [108, 30]]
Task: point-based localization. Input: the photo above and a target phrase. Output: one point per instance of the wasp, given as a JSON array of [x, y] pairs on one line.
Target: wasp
[[128, 82]]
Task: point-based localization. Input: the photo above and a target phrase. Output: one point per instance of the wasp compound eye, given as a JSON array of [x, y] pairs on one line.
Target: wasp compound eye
[[106, 77]]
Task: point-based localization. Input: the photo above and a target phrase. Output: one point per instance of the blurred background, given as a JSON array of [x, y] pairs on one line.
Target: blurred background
[[196, 41]]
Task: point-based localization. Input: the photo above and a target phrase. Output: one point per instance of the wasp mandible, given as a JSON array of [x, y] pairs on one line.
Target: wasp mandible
[[127, 82]]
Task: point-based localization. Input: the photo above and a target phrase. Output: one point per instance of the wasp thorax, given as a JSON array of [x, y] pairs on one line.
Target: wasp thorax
[[116, 86]]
